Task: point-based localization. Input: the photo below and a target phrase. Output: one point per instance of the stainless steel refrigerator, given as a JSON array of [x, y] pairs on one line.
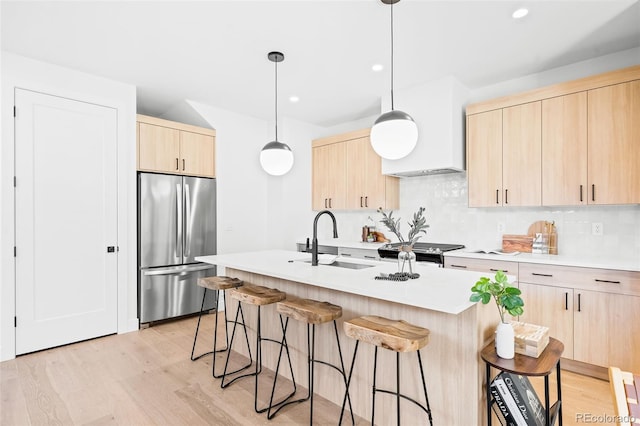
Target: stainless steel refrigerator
[[176, 223]]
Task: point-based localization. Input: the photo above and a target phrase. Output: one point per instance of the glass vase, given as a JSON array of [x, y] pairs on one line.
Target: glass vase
[[406, 259]]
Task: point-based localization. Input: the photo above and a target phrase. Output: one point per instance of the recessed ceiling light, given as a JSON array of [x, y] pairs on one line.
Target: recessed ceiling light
[[377, 67], [520, 13], [294, 99]]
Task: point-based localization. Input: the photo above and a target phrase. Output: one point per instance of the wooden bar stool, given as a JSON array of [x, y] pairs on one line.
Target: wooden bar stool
[[395, 335], [311, 312], [216, 284], [258, 296]]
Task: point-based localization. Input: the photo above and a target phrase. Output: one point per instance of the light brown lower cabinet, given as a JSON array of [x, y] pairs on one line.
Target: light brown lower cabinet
[[594, 312]]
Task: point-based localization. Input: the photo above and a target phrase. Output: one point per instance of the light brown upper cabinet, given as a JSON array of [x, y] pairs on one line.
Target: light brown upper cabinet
[[484, 158], [169, 147], [521, 154], [503, 156], [564, 150], [329, 177], [568, 144], [347, 174], [614, 144]]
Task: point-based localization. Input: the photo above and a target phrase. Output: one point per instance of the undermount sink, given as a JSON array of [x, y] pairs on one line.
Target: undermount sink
[[348, 265]]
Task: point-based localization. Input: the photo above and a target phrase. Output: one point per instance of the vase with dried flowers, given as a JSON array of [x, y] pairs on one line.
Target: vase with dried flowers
[[417, 228]]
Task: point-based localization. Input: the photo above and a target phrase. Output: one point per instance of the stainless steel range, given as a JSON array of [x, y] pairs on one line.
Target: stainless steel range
[[425, 252]]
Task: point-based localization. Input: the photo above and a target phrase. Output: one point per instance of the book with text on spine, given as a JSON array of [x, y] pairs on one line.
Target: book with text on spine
[[501, 407], [525, 398], [509, 401]]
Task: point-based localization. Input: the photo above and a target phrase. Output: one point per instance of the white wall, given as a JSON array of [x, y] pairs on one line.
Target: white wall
[[241, 182], [18, 71]]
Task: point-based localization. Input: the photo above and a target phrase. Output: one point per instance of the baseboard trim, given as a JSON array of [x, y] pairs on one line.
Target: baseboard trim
[[585, 369]]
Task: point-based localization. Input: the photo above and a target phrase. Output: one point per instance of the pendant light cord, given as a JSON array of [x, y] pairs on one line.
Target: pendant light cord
[[392, 108], [276, 64]]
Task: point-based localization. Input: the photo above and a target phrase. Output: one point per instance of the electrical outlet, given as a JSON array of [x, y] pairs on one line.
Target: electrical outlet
[[501, 227], [596, 228]]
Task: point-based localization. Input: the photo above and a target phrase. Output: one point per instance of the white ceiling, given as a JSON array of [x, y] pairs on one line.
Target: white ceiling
[[215, 52]]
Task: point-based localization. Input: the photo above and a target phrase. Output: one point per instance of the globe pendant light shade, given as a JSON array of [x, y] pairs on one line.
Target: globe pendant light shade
[[276, 158], [394, 135]]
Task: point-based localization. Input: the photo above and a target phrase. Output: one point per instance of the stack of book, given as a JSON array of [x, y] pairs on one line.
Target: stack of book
[[516, 400]]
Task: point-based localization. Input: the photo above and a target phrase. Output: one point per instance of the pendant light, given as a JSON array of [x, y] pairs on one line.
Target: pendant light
[[276, 157], [394, 134]]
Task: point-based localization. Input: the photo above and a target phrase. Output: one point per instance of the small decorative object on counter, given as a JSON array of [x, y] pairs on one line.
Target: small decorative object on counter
[[531, 339], [417, 227], [507, 300]]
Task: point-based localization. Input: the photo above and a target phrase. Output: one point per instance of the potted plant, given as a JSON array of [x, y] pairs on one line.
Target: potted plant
[[507, 300]]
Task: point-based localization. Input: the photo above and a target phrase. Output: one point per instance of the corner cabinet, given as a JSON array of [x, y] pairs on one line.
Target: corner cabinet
[[574, 143], [165, 146], [347, 175]]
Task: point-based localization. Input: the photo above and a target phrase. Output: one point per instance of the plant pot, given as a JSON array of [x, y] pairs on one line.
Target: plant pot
[[505, 341], [406, 259]]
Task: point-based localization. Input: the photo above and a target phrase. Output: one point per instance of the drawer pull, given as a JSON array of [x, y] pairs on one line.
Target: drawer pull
[[496, 270], [346, 254], [579, 302], [459, 266], [566, 301], [370, 257], [541, 275], [607, 281]]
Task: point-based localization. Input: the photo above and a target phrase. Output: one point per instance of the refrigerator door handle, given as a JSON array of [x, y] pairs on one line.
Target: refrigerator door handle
[[177, 270], [187, 219], [178, 246]]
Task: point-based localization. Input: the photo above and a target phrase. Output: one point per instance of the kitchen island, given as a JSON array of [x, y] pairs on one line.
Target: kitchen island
[[438, 300]]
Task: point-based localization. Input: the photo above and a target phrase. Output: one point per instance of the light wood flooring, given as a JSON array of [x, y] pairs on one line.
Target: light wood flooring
[[146, 377]]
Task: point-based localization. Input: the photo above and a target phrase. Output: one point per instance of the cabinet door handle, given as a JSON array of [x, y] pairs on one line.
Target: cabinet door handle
[[496, 270], [361, 202], [541, 275], [183, 164], [329, 202], [593, 192], [566, 301], [607, 281], [458, 266], [579, 302], [366, 201], [506, 196], [580, 193], [177, 166], [325, 203], [497, 196]]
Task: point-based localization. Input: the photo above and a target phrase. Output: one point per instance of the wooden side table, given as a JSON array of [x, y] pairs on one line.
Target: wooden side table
[[528, 366]]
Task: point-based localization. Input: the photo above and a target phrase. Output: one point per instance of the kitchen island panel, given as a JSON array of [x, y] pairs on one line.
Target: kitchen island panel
[[453, 370]]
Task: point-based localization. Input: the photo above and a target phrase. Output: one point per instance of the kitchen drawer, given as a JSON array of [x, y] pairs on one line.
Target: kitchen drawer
[[593, 279], [481, 265], [359, 253]]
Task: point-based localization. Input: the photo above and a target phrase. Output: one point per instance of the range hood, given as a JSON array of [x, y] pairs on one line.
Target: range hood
[[438, 109]]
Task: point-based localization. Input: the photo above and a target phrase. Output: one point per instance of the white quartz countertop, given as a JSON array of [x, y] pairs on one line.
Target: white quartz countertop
[[438, 289], [620, 261]]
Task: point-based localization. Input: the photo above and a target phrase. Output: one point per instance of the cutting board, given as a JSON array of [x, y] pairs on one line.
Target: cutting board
[[521, 243], [545, 227]]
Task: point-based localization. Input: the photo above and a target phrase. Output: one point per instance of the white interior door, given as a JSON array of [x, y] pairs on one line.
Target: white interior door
[[65, 200]]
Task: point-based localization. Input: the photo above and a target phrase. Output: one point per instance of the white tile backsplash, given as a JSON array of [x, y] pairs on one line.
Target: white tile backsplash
[[451, 221]]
